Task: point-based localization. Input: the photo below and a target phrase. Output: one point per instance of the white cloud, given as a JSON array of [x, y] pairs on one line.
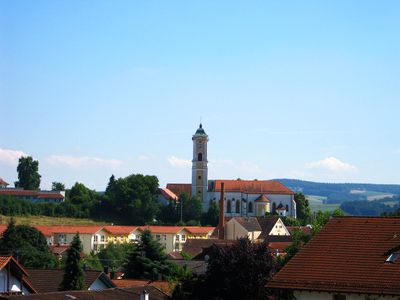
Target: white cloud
[[143, 157], [179, 162], [10, 157], [76, 161], [332, 164]]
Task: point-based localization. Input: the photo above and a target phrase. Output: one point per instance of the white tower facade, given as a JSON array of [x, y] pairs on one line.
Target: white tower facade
[[199, 164]]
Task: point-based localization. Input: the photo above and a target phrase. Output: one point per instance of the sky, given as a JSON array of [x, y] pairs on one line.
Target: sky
[[284, 89]]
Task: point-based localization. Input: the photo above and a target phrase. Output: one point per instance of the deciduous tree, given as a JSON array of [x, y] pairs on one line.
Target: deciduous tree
[[28, 173]]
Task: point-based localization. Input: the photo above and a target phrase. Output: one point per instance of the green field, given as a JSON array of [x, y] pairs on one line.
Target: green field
[[316, 204], [43, 220]]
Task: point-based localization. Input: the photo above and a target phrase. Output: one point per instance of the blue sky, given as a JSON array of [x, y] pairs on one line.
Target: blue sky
[[295, 89]]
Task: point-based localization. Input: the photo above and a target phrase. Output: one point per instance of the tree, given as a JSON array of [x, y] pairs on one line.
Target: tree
[[28, 245], [57, 186], [303, 210], [321, 218], [300, 238], [147, 259], [74, 276], [114, 255], [133, 198], [211, 217], [240, 271], [192, 208], [28, 173]]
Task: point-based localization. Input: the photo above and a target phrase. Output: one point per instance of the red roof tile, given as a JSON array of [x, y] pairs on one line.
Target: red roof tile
[[163, 286], [180, 188], [168, 194], [75, 229], [162, 229], [263, 198], [349, 256], [199, 229], [31, 193], [253, 187], [120, 229]]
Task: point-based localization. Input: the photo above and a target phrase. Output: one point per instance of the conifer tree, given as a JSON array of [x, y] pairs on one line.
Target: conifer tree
[[74, 277], [147, 259]]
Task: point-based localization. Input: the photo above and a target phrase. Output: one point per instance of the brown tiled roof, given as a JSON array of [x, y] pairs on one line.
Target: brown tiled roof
[[162, 229], [195, 247], [89, 229], [2, 182], [49, 280], [266, 224], [129, 283], [168, 194], [180, 188], [59, 249], [262, 198], [31, 193], [253, 187], [132, 293], [248, 223], [348, 256]]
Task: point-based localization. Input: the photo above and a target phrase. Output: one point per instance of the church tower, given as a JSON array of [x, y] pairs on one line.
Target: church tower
[[199, 164]]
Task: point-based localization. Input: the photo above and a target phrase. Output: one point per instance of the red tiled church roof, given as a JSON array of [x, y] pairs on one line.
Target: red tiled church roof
[[253, 187], [347, 256]]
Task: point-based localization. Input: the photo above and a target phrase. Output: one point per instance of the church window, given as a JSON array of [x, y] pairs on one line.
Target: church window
[[238, 207], [199, 177], [273, 207], [287, 207], [200, 157], [228, 206], [250, 207]]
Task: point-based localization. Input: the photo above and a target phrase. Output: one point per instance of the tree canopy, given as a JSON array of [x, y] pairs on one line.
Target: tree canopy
[[74, 276], [57, 186], [28, 245], [303, 210], [147, 259], [28, 173]]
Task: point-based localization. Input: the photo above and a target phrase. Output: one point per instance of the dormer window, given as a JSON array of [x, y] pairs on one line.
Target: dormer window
[[393, 257]]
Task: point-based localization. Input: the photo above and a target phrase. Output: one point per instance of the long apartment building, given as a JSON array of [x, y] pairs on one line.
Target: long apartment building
[[95, 238]]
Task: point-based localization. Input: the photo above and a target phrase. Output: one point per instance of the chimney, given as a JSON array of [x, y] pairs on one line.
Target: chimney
[[144, 295], [221, 225]]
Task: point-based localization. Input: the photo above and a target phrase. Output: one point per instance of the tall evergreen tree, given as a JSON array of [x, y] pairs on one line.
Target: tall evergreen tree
[[147, 259], [74, 277], [28, 173]]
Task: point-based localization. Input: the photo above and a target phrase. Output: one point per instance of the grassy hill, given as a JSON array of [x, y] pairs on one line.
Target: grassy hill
[[43, 220]]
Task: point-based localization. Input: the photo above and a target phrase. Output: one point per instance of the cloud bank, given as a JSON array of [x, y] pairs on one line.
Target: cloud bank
[[81, 161], [332, 164], [10, 157], [179, 162]]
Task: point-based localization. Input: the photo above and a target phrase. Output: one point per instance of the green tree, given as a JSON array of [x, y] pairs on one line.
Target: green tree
[[114, 255], [299, 238], [57, 186], [147, 259], [192, 208], [211, 217], [74, 276], [303, 210], [28, 173], [28, 245], [321, 218], [133, 199]]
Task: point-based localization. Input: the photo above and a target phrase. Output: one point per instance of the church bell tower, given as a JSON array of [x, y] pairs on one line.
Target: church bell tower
[[199, 164]]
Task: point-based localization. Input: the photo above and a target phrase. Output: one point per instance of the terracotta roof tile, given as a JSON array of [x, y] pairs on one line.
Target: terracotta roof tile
[[253, 187], [199, 229], [248, 223], [89, 229], [163, 229], [31, 193], [348, 255], [180, 188], [128, 283], [120, 229], [168, 194], [263, 198]]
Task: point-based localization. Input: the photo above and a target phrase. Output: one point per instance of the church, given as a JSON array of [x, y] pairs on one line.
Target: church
[[251, 198]]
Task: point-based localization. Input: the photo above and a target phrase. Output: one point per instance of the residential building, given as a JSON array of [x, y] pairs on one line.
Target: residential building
[[34, 196], [250, 198], [13, 278], [49, 280], [122, 234], [3, 184], [353, 258]]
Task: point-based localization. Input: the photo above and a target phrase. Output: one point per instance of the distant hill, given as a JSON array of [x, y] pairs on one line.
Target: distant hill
[[336, 193]]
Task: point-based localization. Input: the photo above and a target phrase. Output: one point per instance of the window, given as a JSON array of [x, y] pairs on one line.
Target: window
[[61, 238], [199, 177], [95, 247], [339, 297], [102, 238], [250, 207], [273, 207], [164, 237], [393, 257], [237, 206], [158, 237], [96, 238], [287, 207], [183, 238], [228, 206], [178, 237], [200, 157]]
